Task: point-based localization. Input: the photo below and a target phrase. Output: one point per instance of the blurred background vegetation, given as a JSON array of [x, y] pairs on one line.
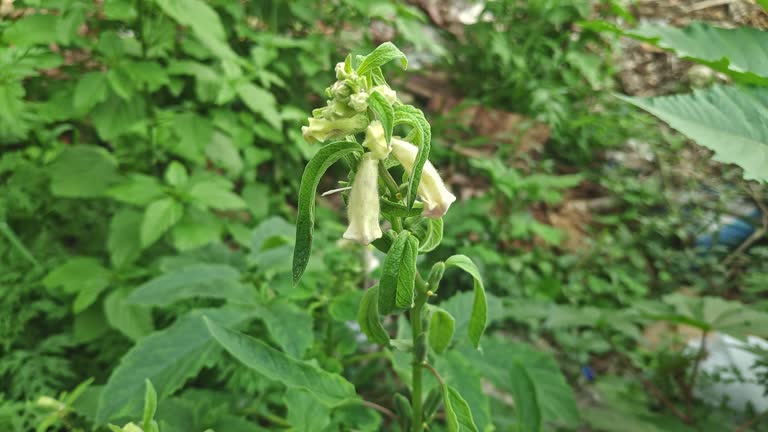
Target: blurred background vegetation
[[158, 142]]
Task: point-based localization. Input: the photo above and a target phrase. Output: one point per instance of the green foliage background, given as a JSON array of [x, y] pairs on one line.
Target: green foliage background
[[150, 159]]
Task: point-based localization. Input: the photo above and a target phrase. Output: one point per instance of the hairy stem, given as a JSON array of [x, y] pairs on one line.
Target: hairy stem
[[416, 399]]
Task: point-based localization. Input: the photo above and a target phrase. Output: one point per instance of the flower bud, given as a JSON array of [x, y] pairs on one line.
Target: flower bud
[[363, 208], [320, 129], [340, 90], [359, 101], [436, 197], [341, 71], [375, 140], [389, 94]]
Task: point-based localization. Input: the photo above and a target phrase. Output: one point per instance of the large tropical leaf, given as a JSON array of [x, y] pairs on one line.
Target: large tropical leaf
[[731, 121]]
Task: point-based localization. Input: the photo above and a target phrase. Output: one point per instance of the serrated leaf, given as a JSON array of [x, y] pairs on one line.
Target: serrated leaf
[[369, 320], [133, 321], [305, 219], [524, 392], [291, 327], [479, 317], [740, 52], [728, 120], [83, 276], [197, 280], [82, 172], [463, 375], [382, 55], [383, 112], [433, 237], [458, 416], [398, 275], [330, 389], [441, 328], [305, 412], [408, 115], [204, 22], [261, 102], [138, 189], [168, 358], [159, 217], [90, 90]]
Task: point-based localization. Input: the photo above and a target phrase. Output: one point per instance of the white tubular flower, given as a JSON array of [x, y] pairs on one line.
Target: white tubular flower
[[436, 197], [375, 140], [359, 101], [389, 94], [320, 129], [363, 209]]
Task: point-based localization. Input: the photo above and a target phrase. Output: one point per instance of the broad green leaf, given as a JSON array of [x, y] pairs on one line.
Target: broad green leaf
[[305, 220], [215, 193], [740, 52], [32, 30], [383, 112], [82, 172], [195, 229], [204, 22], [223, 153], [344, 307], [133, 321], [398, 275], [117, 117], [369, 320], [83, 276], [167, 358], [441, 328], [408, 115], [305, 412], [461, 374], [383, 54], [123, 241], [433, 237], [479, 317], [715, 314], [198, 280], [261, 102], [728, 120], [90, 90], [524, 393], [330, 389], [176, 174], [159, 217], [458, 416], [291, 327], [138, 189]]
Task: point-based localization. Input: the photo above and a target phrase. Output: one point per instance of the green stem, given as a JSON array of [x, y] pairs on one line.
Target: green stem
[[416, 400]]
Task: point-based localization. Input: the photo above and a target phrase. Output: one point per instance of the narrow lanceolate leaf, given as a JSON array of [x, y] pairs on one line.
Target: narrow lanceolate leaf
[[458, 416], [398, 210], [433, 237], [383, 112], [369, 319], [330, 389], [741, 52], [479, 317], [150, 405], [382, 55], [197, 280], [730, 120], [167, 358], [526, 403], [305, 221], [441, 328], [398, 274], [408, 115]]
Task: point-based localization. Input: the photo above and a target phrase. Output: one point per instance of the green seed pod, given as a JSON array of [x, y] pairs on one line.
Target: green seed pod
[[435, 275], [403, 410], [420, 348], [432, 403]]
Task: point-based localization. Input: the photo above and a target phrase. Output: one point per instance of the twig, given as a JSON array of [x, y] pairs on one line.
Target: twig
[[7, 231], [758, 234], [666, 402], [379, 408], [699, 357], [432, 369], [749, 423]]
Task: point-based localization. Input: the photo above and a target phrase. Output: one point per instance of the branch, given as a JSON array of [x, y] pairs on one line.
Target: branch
[[379, 408]]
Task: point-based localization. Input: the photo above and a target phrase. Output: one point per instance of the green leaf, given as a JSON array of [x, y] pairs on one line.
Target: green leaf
[[369, 320], [133, 321], [408, 115], [123, 241], [383, 112], [117, 117], [330, 389], [740, 52], [479, 317], [82, 172], [91, 89], [167, 358], [176, 174], [159, 217], [305, 220], [715, 314], [195, 229], [434, 235], [463, 375], [204, 22], [83, 276], [214, 193], [138, 190], [398, 210], [441, 328], [383, 54], [524, 393], [32, 30], [197, 280], [458, 416], [150, 405], [261, 102], [398, 274], [291, 327], [305, 412], [727, 120]]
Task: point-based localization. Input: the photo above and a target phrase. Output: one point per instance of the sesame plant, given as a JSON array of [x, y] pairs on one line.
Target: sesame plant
[[361, 102]]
